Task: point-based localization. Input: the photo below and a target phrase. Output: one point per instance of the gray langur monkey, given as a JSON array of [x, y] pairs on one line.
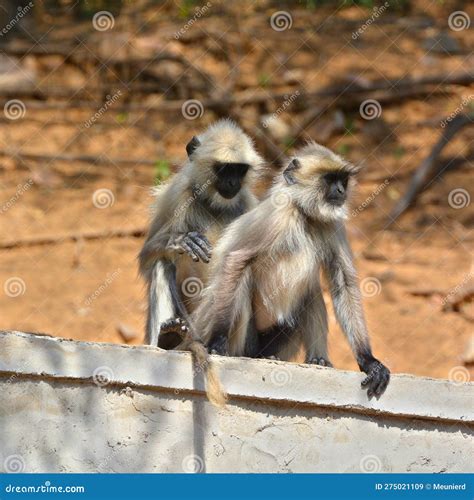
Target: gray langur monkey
[[211, 190], [264, 298]]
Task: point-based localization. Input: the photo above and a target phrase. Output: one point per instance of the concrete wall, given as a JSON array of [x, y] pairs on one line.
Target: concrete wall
[[70, 406]]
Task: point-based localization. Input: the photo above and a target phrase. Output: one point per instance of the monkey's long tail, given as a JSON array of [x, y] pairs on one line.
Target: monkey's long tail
[[215, 392]]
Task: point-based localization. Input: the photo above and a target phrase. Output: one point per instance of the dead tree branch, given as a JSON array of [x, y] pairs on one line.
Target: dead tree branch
[[430, 167], [72, 237]]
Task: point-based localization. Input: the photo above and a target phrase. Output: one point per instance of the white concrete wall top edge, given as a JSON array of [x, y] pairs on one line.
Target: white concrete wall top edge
[[276, 382]]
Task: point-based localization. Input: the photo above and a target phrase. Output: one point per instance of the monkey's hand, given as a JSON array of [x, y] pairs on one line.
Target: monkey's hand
[[378, 377], [195, 244], [219, 345]]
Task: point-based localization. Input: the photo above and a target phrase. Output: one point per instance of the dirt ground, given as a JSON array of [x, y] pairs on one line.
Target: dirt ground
[[89, 289]]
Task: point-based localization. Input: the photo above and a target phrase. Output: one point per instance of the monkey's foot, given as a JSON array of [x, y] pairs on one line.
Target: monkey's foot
[[172, 333], [320, 362], [195, 244], [378, 377], [218, 346]]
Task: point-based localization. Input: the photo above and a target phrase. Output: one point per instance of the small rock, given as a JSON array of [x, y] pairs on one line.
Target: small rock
[[128, 334], [277, 128], [442, 43], [293, 76], [468, 357], [127, 392]]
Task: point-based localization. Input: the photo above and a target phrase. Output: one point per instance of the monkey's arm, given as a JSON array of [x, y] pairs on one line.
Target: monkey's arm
[[347, 302], [170, 232]]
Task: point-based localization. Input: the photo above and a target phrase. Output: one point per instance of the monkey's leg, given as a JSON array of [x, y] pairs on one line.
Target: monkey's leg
[[244, 331], [164, 301], [226, 309], [172, 333], [278, 342], [314, 329]]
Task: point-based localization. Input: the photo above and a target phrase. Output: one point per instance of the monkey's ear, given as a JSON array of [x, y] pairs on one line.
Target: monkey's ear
[[192, 145], [289, 170]]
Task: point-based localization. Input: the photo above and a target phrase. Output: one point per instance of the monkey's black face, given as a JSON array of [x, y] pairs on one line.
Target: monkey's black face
[[229, 178], [335, 185]]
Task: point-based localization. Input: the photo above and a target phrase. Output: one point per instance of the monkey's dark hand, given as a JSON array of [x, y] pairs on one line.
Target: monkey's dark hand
[[219, 345], [378, 377], [320, 362], [195, 244]]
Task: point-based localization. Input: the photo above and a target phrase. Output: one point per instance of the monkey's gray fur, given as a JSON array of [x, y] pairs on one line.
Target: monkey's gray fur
[[264, 296], [210, 191]]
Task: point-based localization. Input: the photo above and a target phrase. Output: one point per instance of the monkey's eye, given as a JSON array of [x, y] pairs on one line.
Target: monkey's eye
[[336, 178], [219, 169], [231, 169]]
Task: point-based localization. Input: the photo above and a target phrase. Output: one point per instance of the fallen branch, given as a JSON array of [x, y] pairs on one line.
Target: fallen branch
[[454, 301], [430, 167], [146, 129], [464, 78], [397, 90], [90, 235], [96, 160], [349, 102], [427, 292]]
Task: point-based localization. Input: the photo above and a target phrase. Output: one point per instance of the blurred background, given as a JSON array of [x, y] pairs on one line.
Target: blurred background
[[98, 99]]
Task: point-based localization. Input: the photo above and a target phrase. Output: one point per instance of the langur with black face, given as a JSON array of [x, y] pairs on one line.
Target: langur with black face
[[211, 190], [264, 296]]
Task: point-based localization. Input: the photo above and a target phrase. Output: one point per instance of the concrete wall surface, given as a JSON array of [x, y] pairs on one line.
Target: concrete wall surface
[[70, 406]]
